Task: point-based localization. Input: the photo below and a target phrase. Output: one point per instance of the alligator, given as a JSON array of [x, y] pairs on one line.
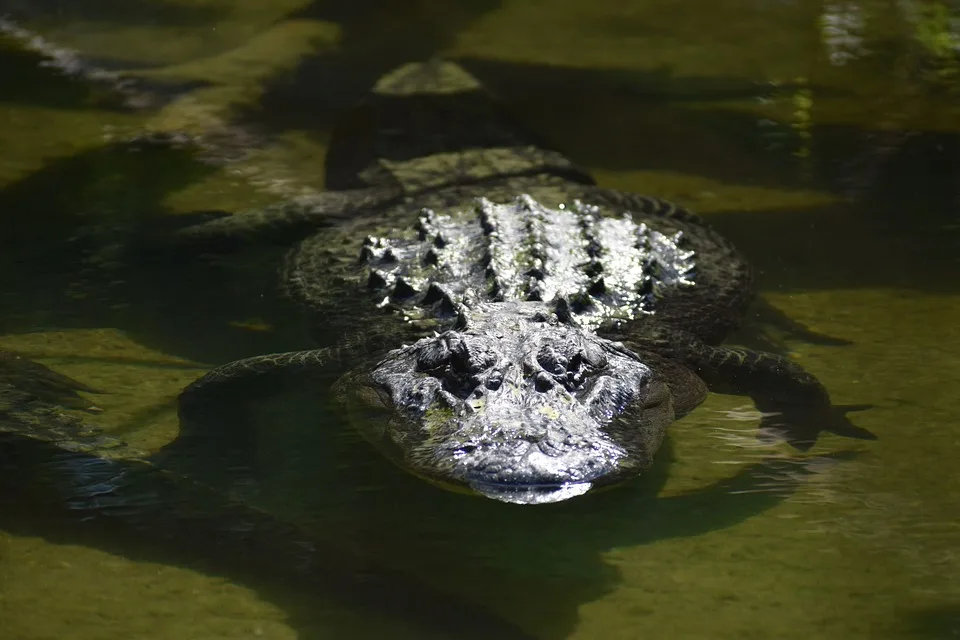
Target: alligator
[[524, 334], [521, 333], [550, 331]]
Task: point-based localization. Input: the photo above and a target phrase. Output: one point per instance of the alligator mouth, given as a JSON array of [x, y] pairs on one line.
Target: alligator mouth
[[531, 493]]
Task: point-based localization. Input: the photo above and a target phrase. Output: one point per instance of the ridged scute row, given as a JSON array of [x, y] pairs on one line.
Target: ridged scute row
[[598, 268]]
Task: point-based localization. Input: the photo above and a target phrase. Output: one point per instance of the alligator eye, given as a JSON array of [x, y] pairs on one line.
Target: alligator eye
[[552, 360], [593, 356], [459, 361], [470, 357], [432, 355]]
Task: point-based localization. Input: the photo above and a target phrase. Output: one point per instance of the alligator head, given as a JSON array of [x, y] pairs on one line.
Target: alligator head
[[515, 402]]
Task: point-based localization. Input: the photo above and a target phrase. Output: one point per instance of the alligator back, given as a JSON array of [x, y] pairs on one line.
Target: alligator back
[[598, 268], [491, 214], [606, 258]]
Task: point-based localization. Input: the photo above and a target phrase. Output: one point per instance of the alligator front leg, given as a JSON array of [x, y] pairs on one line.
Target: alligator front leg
[[792, 400], [234, 376], [794, 403], [231, 376]]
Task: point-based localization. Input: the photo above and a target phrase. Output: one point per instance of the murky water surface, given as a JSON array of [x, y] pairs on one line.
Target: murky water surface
[[822, 137]]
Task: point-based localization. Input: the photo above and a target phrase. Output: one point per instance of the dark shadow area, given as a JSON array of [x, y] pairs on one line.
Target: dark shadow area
[[549, 558], [115, 12], [608, 119], [661, 85], [135, 511], [76, 252], [827, 248], [904, 178], [898, 227], [937, 623], [328, 515], [627, 120], [620, 119]]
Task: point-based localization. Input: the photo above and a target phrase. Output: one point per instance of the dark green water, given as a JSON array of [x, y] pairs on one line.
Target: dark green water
[[822, 137]]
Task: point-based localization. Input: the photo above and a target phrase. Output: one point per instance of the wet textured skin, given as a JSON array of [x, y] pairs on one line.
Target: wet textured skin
[[513, 387]]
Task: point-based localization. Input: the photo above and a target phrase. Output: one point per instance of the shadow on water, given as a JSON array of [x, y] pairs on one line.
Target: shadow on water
[[530, 564], [132, 510], [615, 119], [68, 262], [914, 256], [629, 119], [366, 534], [624, 120]]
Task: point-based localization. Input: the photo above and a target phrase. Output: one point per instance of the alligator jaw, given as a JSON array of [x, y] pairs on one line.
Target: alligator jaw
[[531, 494]]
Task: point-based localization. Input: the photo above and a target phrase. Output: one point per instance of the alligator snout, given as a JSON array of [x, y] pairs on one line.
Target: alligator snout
[[534, 470]]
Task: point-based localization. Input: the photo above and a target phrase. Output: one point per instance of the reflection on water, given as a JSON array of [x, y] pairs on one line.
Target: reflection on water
[[822, 137]]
